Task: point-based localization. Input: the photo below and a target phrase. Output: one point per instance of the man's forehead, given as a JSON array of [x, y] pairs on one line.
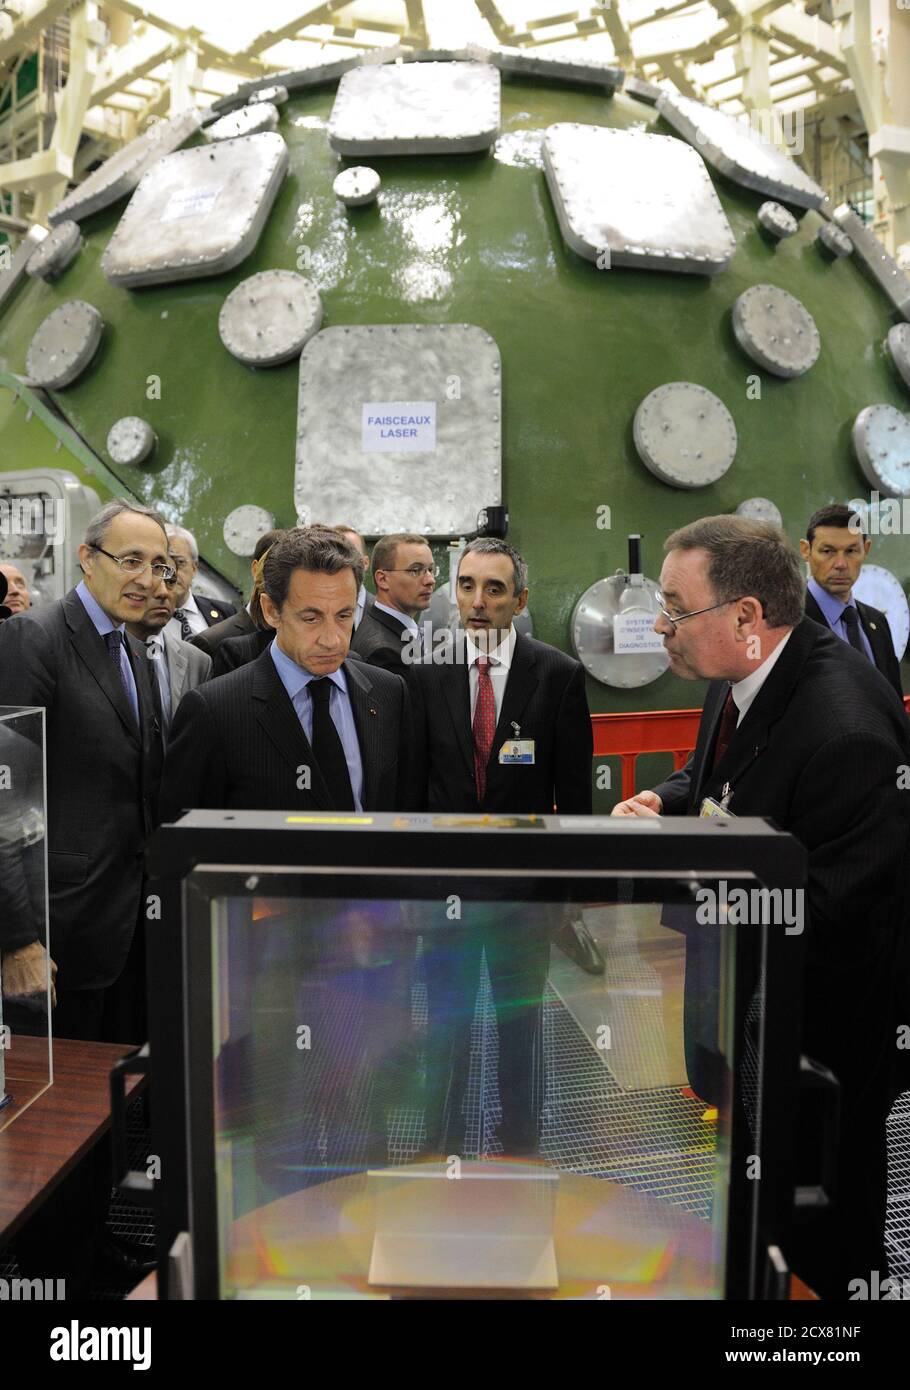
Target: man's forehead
[[140, 532], [12, 572], [315, 588], [839, 536], [682, 568], [475, 566]]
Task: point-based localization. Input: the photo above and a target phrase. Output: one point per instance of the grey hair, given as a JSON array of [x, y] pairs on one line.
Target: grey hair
[[97, 528], [187, 536], [490, 545], [746, 557]]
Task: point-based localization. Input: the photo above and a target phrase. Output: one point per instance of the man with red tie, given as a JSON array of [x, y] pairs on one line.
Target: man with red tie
[[503, 728], [801, 728]]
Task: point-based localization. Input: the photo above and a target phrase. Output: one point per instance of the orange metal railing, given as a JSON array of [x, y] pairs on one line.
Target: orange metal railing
[[627, 736]]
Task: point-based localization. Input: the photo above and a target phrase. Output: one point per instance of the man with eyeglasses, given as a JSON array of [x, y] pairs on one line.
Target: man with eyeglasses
[[800, 728], [191, 616], [74, 659], [405, 576]]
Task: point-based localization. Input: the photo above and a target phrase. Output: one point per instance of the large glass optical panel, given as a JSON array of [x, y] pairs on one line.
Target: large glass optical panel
[[25, 986], [414, 1086]]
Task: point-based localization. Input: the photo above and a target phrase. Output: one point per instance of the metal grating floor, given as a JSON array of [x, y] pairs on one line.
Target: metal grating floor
[[655, 1141]]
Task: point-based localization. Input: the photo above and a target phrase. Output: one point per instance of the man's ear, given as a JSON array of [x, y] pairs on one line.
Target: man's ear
[[270, 611], [804, 549]]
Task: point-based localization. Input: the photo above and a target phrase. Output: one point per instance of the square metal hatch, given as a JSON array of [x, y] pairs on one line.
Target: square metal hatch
[[399, 427], [197, 212], [416, 108], [629, 198]]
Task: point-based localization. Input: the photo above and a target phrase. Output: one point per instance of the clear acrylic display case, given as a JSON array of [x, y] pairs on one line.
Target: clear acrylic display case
[[26, 1060], [406, 1073]]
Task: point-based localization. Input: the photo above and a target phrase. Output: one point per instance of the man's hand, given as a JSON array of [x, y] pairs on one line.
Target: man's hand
[[25, 973], [642, 804]]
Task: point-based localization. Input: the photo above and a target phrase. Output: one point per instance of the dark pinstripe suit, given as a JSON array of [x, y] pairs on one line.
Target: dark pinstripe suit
[[819, 752], [236, 742]]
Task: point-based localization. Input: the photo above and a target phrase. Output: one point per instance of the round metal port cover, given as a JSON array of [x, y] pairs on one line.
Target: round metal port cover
[[61, 246], [685, 434], [130, 440], [268, 317], [776, 331], [64, 344], [881, 437]]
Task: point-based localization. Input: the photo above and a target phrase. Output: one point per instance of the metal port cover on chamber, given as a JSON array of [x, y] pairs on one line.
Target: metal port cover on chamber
[[776, 331], [130, 440], [58, 249], [416, 108], [267, 318], [64, 344], [881, 437], [684, 434]]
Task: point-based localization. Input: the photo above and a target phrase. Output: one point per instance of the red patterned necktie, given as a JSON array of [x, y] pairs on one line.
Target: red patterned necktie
[[726, 727], [484, 725]]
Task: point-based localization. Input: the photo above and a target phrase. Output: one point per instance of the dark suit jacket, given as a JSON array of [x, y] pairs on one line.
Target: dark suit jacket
[[237, 625], [819, 752], [102, 782], [214, 610], [379, 640], [236, 742], [545, 695], [237, 651], [875, 626]]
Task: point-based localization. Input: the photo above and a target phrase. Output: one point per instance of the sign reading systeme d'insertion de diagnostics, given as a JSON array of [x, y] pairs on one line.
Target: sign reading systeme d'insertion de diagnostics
[[398, 427]]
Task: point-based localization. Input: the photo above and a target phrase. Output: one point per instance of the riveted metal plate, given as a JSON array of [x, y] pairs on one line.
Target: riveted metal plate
[[898, 345], [881, 437], [884, 591], [64, 344], [293, 79], [776, 331], [777, 221], [130, 440], [249, 120], [736, 149], [684, 434], [416, 108], [644, 91], [760, 509], [268, 318], [197, 212], [646, 200], [357, 186], [243, 527], [121, 173], [585, 72], [59, 248], [15, 272], [276, 94], [592, 630], [875, 258], [835, 242], [443, 383]]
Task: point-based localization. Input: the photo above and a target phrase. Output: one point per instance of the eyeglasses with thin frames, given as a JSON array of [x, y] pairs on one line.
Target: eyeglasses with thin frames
[[681, 617], [131, 564], [418, 571]]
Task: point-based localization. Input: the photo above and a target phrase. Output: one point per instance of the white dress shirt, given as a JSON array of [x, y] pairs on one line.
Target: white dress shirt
[[404, 618], [745, 691], [500, 663]]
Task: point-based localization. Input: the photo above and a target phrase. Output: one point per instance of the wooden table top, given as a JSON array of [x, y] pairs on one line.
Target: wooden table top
[[45, 1142]]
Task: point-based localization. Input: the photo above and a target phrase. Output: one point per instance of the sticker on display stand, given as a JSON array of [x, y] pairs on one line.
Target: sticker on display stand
[[399, 427]]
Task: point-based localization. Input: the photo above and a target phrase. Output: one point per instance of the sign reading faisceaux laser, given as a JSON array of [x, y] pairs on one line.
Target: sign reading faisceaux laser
[[399, 427]]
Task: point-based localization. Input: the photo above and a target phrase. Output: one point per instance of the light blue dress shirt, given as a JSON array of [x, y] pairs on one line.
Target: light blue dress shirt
[[833, 612], [295, 680], [102, 624]]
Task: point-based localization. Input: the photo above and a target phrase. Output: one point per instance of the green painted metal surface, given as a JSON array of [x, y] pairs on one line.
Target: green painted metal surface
[[475, 239]]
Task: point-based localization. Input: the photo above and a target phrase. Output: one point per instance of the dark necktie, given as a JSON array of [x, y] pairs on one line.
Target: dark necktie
[[484, 725], [114, 643], [727, 725], [851, 623], [328, 747], [186, 631]]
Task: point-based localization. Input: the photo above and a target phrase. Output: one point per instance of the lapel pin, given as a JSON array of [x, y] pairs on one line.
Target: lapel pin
[[213, 612], [873, 627], [372, 710]]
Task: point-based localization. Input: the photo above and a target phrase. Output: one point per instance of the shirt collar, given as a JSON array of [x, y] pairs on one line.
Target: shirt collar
[[832, 608], [404, 618], [100, 620], [745, 691], [296, 678], [499, 656], [190, 605]]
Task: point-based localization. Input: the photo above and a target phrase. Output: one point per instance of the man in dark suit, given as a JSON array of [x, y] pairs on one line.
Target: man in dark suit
[[404, 573], [191, 616], [835, 548], [502, 728], [103, 748], [246, 621], [103, 765], [799, 727], [365, 600], [300, 727]]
